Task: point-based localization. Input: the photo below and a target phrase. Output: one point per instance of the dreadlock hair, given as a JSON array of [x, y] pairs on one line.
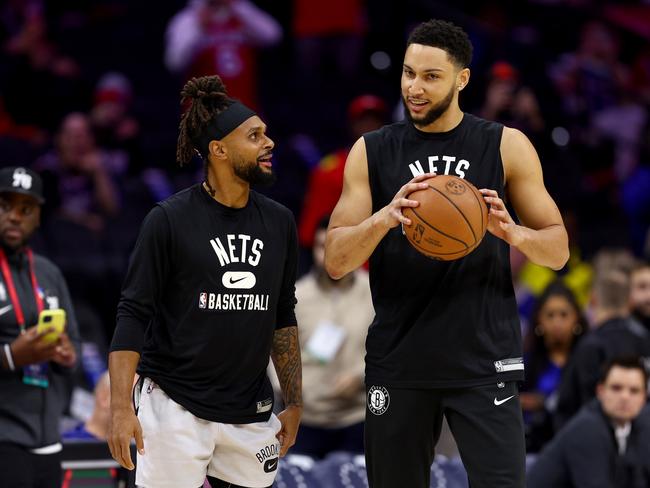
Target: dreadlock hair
[[206, 97], [446, 36]]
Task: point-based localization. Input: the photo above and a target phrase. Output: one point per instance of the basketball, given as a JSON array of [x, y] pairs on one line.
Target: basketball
[[450, 221]]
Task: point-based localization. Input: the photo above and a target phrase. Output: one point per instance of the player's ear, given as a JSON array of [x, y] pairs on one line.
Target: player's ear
[[462, 78], [218, 149]]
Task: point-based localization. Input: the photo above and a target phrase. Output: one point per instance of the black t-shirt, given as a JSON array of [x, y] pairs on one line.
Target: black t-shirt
[[440, 324], [206, 289]]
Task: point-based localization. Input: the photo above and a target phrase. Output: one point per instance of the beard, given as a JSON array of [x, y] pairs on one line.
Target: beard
[[432, 114], [254, 174]]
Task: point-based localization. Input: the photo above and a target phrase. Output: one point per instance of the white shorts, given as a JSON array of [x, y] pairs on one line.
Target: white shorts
[[180, 448]]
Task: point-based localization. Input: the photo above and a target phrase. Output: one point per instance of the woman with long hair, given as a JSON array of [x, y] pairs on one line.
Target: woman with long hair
[[557, 324]]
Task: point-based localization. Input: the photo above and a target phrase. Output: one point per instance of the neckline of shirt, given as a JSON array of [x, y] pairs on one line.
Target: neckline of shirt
[[220, 206], [437, 135]]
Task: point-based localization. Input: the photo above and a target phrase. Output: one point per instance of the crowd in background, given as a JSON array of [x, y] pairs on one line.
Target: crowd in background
[[89, 99]]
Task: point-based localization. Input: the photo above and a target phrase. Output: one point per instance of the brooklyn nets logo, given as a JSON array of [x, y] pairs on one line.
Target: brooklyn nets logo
[[378, 399]]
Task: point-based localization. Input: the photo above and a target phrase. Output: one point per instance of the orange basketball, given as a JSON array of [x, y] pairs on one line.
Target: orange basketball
[[450, 221]]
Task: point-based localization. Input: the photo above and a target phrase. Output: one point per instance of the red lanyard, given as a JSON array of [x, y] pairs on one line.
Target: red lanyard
[[6, 274]]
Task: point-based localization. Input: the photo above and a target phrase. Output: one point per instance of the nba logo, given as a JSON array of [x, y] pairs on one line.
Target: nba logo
[[203, 299], [418, 233]]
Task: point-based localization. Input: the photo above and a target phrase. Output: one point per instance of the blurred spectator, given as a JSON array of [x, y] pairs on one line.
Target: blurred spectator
[[220, 37], [79, 175], [530, 280], [615, 334], [19, 142], [603, 445], [640, 293], [9, 128], [334, 316], [635, 195], [510, 102], [591, 78], [613, 259], [641, 75], [35, 370], [365, 113], [96, 427], [32, 61], [557, 326], [113, 125], [90, 436], [329, 36]]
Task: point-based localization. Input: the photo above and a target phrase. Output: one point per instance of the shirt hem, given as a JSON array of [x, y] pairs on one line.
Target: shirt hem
[[211, 415], [455, 383]]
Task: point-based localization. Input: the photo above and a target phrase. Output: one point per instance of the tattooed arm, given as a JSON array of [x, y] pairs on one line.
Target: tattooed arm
[[285, 353]]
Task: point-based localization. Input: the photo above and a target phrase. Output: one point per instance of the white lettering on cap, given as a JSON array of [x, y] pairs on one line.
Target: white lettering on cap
[[22, 179]]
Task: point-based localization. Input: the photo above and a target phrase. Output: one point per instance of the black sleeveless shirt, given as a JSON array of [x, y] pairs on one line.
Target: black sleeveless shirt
[[440, 324]]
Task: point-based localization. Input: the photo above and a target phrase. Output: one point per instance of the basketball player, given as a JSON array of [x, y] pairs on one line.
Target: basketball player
[[208, 296], [445, 339]]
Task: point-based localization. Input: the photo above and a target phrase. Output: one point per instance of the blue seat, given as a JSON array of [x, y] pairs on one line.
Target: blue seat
[[448, 473], [341, 470], [295, 471]]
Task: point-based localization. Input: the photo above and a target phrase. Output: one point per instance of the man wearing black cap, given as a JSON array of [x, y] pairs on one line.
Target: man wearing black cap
[[33, 371]]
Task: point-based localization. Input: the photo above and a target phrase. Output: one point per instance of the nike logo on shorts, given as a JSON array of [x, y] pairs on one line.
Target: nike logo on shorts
[[4, 310], [271, 465], [500, 402]]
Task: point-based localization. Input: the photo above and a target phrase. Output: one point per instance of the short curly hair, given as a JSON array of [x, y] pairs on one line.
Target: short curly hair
[[446, 36]]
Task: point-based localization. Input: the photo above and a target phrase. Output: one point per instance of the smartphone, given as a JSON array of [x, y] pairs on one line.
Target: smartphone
[[51, 319]]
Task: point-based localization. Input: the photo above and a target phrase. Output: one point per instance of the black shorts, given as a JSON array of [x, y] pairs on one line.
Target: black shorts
[[403, 426]]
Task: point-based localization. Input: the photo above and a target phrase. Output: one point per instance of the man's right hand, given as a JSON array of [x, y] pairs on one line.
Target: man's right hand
[[391, 215], [30, 348], [123, 427]]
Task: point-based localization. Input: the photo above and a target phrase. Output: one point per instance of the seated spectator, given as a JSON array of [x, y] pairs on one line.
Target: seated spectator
[[96, 427], [530, 279], [89, 436], [557, 324], [603, 445], [640, 293], [615, 334], [334, 316], [79, 176]]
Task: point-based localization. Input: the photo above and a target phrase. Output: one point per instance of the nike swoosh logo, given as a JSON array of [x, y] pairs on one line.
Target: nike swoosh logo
[[499, 402], [271, 465], [4, 310], [240, 280]]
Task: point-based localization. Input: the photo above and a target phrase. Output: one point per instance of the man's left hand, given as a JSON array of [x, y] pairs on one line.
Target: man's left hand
[[65, 352], [290, 420], [500, 222]]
